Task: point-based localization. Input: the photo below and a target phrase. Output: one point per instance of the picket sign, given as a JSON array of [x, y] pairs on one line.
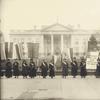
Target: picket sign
[[92, 60]]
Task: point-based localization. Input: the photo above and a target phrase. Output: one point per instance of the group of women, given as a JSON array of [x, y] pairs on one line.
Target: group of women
[[45, 69], [74, 68], [26, 70]]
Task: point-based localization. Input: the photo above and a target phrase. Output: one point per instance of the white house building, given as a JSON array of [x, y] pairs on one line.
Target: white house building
[[55, 39]]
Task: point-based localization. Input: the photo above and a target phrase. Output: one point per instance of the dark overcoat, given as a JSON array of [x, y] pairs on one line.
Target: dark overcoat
[[8, 72], [32, 70], [83, 71], [16, 69], [98, 70], [1, 71], [25, 69], [64, 68], [44, 69], [51, 70], [74, 68]]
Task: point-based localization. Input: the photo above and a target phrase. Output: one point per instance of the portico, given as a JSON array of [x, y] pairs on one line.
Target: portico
[[57, 39], [56, 43]]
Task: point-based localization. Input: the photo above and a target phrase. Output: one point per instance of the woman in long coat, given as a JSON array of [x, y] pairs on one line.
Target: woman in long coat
[[74, 67], [1, 71], [8, 72], [32, 69], [44, 69], [24, 69], [51, 70], [64, 68], [98, 69], [83, 71], [16, 69]]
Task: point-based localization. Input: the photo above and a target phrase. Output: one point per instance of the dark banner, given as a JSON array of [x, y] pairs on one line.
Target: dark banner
[[10, 53], [17, 51], [30, 50], [71, 53], [6, 50], [33, 50]]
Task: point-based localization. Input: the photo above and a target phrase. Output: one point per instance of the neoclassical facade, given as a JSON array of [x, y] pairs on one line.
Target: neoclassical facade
[[55, 39]]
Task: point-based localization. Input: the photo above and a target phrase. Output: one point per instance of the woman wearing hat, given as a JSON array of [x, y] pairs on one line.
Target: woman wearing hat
[[98, 69], [16, 69], [1, 71], [74, 67], [64, 68], [44, 69], [24, 69], [32, 69], [8, 72], [51, 69], [83, 71]]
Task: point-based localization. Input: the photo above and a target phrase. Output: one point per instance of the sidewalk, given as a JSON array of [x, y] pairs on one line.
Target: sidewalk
[[38, 88]]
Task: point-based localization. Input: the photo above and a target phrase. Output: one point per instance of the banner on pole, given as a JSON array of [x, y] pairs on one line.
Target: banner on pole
[[71, 53], [10, 52], [6, 50], [17, 51], [33, 50]]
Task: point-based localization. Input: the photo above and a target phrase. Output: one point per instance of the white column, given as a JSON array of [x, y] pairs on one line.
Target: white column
[[41, 47], [62, 42], [52, 45]]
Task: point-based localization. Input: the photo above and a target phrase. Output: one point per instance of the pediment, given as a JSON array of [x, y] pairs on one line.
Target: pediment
[[57, 27]]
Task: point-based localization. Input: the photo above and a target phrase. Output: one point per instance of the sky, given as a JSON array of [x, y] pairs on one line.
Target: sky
[[25, 14]]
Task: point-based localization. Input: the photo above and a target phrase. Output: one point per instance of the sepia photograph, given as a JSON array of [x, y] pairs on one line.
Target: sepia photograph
[[49, 49]]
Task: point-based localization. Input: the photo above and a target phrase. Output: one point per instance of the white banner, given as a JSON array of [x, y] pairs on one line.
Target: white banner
[[92, 60]]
